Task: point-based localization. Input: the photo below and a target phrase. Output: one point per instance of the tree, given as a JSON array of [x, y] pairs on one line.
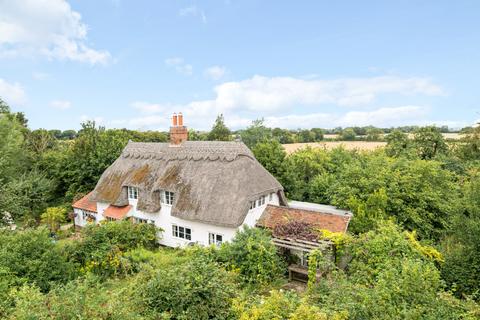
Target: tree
[[68, 134], [40, 140], [398, 144], [254, 255], [470, 150], [219, 131], [272, 157], [91, 153], [52, 217], [199, 289], [31, 256], [306, 136], [26, 196], [283, 136], [103, 247], [429, 142], [374, 134], [461, 269], [318, 134], [347, 134], [4, 108], [255, 133], [12, 156]]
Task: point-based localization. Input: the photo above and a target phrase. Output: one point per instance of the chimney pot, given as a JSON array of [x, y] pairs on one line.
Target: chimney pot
[[174, 120], [180, 119], [178, 132]]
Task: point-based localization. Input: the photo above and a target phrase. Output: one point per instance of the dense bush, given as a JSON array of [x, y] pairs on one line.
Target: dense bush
[[102, 247], [31, 256], [253, 254], [199, 289], [82, 299]]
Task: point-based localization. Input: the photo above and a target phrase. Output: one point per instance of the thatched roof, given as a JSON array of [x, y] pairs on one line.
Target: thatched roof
[[213, 181]]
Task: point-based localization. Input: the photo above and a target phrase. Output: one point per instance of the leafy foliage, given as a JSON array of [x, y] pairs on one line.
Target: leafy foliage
[[102, 247], [220, 131], [254, 255], [197, 290], [32, 257]]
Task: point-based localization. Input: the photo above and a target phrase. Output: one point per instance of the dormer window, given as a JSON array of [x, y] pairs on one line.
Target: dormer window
[[132, 193], [167, 197]]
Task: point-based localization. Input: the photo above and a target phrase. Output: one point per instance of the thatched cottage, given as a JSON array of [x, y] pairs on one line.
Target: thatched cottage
[[196, 191]]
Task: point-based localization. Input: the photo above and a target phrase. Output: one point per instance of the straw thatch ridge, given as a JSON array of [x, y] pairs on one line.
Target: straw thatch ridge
[[213, 182]]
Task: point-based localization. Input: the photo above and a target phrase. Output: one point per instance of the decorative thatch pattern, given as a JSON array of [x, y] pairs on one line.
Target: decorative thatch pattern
[[213, 181]]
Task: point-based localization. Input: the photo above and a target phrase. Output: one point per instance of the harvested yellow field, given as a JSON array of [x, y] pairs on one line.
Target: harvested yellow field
[[328, 145]]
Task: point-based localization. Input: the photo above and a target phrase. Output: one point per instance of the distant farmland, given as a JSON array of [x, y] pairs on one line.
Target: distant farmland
[[351, 145], [328, 145]]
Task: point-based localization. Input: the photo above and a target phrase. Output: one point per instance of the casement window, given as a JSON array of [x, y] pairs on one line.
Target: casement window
[[87, 215], [215, 239], [261, 201], [253, 204], [132, 193], [141, 220], [270, 197], [167, 197], [182, 232]]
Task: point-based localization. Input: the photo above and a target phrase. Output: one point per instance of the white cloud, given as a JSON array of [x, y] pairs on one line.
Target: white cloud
[[382, 117], [60, 104], [179, 65], [147, 107], [193, 11], [40, 75], [47, 27], [242, 101], [12, 93], [215, 72], [271, 95]]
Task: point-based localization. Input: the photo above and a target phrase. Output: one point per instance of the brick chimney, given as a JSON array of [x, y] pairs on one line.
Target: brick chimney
[[178, 132]]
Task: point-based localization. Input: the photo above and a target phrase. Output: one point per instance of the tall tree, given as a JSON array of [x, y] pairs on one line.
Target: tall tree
[[220, 131], [429, 142], [255, 133], [397, 143]]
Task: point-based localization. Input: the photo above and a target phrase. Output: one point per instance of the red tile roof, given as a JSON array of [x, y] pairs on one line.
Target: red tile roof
[[275, 215], [86, 204], [116, 212]]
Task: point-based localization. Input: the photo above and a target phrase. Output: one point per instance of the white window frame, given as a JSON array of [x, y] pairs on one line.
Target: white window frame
[[140, 220], [213, 238], [132, 193], [167, 197], [88, 214], [180, 232], [270, 197]]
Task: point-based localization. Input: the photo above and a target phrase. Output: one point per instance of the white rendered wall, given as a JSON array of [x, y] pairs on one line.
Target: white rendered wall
[[163, 219], [79, 217], [254, 214], [79, 221]]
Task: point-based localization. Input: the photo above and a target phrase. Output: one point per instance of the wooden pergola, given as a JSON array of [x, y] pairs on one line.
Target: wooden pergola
[[296, 271]]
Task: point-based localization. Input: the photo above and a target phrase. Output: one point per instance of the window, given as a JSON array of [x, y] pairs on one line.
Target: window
[[260, 201], [88, 216], [167, 197], [141, 220], [132, 193], [253, 204], [182, 232], [270, 197], [215, 239]]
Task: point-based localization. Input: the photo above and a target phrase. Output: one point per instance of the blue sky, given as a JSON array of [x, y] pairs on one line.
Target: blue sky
[[295, 63]]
